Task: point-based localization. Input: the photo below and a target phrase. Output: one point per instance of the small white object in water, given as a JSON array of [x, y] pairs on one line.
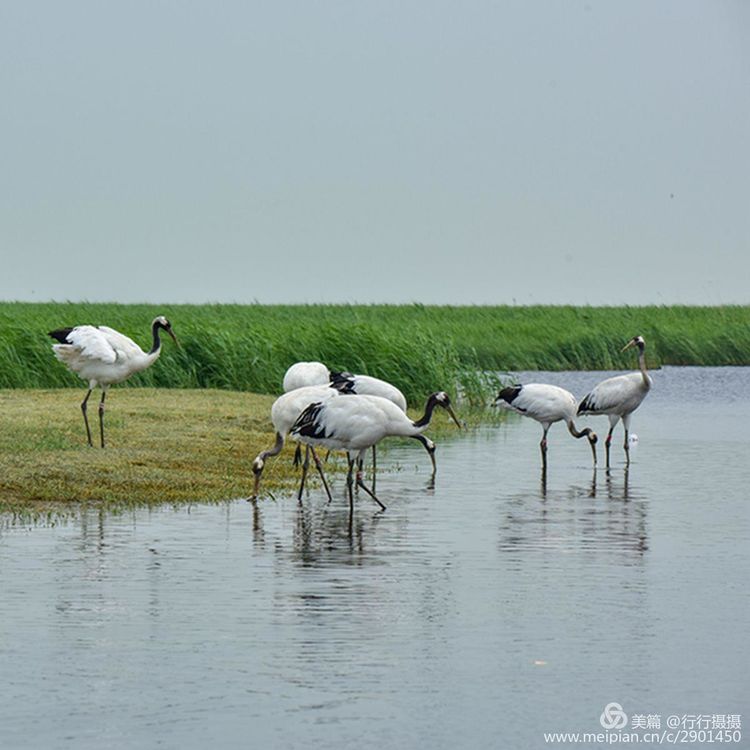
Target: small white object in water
[[632, 441]]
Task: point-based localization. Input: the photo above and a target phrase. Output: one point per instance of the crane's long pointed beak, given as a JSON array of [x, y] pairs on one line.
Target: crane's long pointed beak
[[174, 338], [452, 413], [628, 345]]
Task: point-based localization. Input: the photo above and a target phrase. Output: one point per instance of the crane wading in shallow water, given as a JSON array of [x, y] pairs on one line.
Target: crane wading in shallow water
[[104, 357], [620, 396], [546, 404], [355, 423]]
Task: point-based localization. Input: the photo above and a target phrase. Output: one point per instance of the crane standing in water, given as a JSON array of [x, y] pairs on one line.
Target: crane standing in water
[[620, 396]]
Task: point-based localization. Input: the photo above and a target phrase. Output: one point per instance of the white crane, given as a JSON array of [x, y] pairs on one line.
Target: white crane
[[546, 404], [355, 423], [104, 357], [620, 396], [284, 413]]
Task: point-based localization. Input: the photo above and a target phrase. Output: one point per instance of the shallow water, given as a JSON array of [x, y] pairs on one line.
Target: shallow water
[[476, 613]]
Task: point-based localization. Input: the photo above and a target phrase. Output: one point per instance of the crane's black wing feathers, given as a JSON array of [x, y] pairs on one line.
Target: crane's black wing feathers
[[587, 404], [343, 382], [308, 423]]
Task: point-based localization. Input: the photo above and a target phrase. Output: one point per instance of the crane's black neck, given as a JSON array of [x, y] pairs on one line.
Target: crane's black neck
[[425, 419], [642, 363], [277, 446], [156, 345], [585, 432]]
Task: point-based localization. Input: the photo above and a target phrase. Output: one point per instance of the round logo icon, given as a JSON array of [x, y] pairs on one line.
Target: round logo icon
[[613, 717]]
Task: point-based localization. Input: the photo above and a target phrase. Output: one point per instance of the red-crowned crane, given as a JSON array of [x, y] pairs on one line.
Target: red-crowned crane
[[546, 404], [104, 357], [355, 423], [620, 396]]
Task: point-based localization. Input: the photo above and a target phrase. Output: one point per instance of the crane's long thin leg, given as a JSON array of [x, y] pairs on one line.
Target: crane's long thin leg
[[627, 449], [374, 466], [305, 466], [319, 467], [543, 447], [349, 481], [361, 484], [613, 420], [626, 425], [360, 467], [297, 456], [101, 417], [85, 418], [608, 442]]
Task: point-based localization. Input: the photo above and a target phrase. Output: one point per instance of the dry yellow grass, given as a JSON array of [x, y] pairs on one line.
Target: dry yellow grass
[[163, 445]]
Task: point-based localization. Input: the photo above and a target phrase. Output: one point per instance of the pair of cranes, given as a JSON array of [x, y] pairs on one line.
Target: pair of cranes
[[311, 413], [617, 397]]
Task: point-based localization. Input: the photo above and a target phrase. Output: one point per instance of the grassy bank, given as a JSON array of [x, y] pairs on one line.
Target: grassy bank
[[164, 446], [419, 348], [168, 446]]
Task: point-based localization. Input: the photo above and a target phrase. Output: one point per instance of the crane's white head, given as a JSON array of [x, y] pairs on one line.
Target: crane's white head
[[635, 341], [161, 322]]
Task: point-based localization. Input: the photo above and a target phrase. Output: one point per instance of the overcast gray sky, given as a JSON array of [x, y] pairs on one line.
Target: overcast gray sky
[[442, 152]]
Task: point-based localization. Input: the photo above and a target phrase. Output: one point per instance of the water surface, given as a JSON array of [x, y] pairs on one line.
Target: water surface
[[478, 612]]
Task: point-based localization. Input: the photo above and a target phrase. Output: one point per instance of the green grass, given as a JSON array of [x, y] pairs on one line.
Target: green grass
[[419, 348]]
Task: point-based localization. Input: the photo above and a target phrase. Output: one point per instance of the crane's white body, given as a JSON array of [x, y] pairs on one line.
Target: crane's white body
[[102, 356], [354, 423], [302, 374], [617, 397], [546, 404]]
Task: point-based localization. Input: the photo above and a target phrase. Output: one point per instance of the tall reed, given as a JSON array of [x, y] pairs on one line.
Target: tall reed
[[419, 348]]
